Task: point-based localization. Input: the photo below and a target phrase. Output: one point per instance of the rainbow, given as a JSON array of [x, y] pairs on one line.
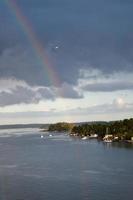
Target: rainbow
[[36, 44]]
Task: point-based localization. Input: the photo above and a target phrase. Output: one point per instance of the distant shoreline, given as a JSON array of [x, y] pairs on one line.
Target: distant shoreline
[[15, 126]]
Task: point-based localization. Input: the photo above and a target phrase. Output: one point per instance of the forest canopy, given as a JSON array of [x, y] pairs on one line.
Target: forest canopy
[[61, 126], [123, 129]]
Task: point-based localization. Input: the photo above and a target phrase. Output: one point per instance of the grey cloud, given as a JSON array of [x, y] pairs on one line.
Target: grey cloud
[[8, 84], [108, 86], [67, 91], [46, 93], [17, 96], [24, 95], [17, 92]]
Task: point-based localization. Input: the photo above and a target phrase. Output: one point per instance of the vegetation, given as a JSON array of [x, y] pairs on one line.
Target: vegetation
[[121, 129], [61, 126]]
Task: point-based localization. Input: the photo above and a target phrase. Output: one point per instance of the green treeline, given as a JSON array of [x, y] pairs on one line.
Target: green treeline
[[61, 126], [122, 129]]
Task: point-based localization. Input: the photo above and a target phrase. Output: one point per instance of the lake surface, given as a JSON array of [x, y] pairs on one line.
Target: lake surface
[[63, 168]]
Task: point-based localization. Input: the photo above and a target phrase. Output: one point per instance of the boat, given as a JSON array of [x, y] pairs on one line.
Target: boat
[[107, 140], [84, 138], [42, 136], [93, 136]]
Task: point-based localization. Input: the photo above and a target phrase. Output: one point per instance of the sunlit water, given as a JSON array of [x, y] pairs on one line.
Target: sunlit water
[[63, 168]]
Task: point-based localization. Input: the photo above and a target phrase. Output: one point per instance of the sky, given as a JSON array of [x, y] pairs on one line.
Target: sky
[[65, 60]]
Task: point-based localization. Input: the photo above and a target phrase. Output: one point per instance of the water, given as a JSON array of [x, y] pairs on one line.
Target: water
[[62, 168]]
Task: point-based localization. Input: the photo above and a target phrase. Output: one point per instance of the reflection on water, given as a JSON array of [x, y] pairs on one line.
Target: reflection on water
[[17, 132], [62, 167], [126, 145]]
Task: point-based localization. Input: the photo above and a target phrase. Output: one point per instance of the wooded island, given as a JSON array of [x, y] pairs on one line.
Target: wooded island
[[116, 130]]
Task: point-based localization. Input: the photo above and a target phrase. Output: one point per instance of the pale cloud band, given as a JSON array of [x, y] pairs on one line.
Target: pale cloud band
[[113, 111]]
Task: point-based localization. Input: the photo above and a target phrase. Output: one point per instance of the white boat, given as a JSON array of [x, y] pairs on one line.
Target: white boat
[[108, 138], [84, 138], [108, 141], [50, 135], [92, 136], [42, 136]]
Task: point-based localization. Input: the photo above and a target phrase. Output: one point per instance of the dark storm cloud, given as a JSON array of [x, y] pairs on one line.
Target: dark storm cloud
[[88, 33]]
